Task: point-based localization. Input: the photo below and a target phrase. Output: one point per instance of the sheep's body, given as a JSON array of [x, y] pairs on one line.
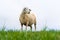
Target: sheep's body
[[30, 18], [27, 20]]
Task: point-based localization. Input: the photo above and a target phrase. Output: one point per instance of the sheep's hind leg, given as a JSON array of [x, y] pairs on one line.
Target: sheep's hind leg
[[35, 26]]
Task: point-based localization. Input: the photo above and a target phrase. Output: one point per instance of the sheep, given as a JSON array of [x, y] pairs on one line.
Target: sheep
[[27, 18]]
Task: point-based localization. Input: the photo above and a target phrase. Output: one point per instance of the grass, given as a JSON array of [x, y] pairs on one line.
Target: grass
[[23, 35]]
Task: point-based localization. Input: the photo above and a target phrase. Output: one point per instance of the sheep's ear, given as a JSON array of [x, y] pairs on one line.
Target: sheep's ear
[[29, 9]]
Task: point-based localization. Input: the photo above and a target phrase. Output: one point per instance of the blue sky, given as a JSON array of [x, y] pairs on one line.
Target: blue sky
[[46, 11]]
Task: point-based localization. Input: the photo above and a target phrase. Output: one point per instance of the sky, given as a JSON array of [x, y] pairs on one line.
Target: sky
[[47, 13]]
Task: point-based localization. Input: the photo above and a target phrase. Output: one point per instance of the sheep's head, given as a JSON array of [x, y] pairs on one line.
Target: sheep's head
[[26, 10]]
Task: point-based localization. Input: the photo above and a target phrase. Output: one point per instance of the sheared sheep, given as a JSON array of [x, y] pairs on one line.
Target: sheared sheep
[[26, 18]]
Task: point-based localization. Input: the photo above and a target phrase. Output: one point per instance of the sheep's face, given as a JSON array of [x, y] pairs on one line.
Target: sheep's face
[[26, 10]]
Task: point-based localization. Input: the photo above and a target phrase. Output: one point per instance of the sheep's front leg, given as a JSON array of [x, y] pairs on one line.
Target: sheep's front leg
[[21, 27], [26, 25], [31, 27]]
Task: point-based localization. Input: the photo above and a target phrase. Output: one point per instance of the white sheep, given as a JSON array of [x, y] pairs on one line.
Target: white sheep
[[26, 18]]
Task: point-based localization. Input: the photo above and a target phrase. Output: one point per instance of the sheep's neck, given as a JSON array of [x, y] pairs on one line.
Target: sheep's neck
[[23, 15]]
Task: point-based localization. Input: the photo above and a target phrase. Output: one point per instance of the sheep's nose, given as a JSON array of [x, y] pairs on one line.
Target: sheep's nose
[[28, 12]]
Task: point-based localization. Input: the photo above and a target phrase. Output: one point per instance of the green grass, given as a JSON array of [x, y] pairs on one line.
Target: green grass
[[23, 35]]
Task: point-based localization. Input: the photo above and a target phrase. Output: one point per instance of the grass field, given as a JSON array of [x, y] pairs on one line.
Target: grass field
[[29, 35]]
